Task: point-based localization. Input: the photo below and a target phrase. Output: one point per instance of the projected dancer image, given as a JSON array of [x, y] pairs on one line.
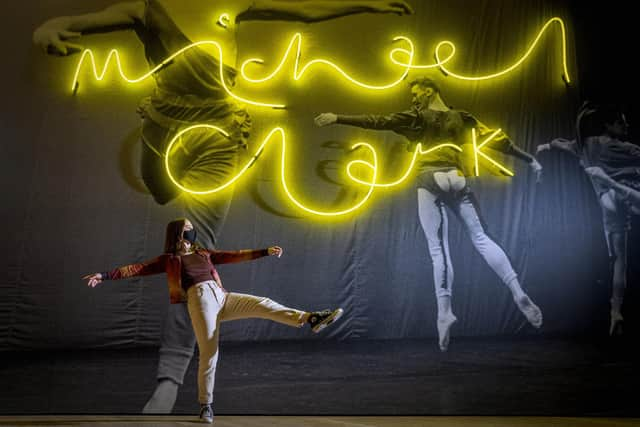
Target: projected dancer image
[[192, 276], [189, 91], [613, 166], [441, 183]]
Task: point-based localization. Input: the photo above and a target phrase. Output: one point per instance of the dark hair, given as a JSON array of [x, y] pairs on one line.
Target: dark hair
[[425, 82], [173, 235], [593, 118]]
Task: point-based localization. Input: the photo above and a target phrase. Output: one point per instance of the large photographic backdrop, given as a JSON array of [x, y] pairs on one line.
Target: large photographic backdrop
[[75, 200]]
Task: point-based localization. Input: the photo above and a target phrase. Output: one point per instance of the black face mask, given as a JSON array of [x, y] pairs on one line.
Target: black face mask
[[189, 235]]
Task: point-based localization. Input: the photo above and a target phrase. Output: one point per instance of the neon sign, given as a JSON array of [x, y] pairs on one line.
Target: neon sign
[[298, 72], [370, 182], [372, 166], [441, 61]]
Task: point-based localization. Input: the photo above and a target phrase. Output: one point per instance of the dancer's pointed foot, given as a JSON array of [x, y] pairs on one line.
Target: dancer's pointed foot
[[615, 326], [445, 321], [530, 310]]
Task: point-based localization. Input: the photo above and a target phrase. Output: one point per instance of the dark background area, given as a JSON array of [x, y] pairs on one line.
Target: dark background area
[[606, 48], [607, 35]]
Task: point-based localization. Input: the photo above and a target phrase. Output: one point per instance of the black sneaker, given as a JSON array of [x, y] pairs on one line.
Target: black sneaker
[[321, 319], [206, 414]]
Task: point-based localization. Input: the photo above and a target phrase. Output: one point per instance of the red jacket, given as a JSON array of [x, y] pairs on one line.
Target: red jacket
[[172, 265]]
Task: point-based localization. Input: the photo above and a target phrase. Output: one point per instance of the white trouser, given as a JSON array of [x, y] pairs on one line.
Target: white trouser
[[434, 221], [209, 305]]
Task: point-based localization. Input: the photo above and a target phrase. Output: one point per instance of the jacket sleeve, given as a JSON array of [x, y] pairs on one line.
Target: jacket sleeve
[[153, 266], [227, 257], [393, 121], [500, 142]]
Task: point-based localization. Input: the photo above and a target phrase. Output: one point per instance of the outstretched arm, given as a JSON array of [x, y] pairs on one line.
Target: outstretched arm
[[501, 142], [394, 121], [53, 35], [227, 257], [154, 266], [561, 144], [316, 11]]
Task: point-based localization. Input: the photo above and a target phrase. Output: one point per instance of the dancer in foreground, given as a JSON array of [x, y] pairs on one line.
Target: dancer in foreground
[[192, 277], [190, 91]]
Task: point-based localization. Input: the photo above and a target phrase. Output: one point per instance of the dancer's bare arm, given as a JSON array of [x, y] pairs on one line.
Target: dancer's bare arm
[[53, 35], [315, 10], [561, 144]]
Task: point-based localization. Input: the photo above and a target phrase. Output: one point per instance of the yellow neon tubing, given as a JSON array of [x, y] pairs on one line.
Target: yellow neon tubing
[[410, 52], [477, 151], [372, 184], [213, 190], [223, 20], [403, 177], [476, 167], [366, 197], [440, 62], [294, 200], [113, 54], [299, 72], [496, 164]]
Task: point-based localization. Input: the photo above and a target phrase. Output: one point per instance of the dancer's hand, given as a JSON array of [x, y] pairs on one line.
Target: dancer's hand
[[536, 167], [543, 147], [275, 250], [397, 7], [325, 119], [93, 279], [52, 38]]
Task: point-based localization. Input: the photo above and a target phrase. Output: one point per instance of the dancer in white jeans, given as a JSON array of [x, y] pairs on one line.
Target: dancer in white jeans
[[192, 276], [441, 182]]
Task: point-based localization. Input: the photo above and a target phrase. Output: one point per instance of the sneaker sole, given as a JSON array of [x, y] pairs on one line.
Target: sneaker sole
[[329, 320]]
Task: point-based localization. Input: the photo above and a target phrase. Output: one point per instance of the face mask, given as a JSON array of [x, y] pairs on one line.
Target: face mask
[[189, 235]]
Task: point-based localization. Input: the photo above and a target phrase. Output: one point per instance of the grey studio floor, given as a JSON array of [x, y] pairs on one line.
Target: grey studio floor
[[479, 382]]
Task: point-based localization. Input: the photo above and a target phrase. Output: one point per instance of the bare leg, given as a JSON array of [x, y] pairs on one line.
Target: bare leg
[[619, 281], [616, 225], [434, 221], [624, 192]]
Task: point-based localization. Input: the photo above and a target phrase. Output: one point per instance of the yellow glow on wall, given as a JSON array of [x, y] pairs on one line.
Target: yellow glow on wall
[[419, 151], [223, 20], [296, 42], [298, 72], [403, 57], [167, 156], [115, 56], [372, 166], [441, 60], [478, 147], [476, 168], [278, 131]]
